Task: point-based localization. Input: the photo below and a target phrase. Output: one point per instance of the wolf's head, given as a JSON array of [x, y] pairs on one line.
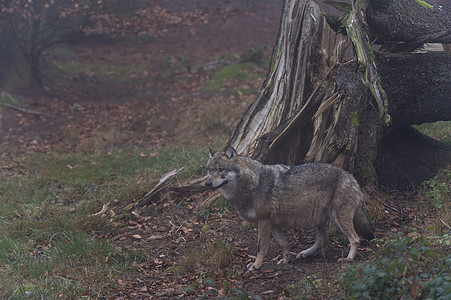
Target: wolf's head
[[222, 168]]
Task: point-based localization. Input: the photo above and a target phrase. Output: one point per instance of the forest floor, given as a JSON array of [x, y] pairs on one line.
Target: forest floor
[[182, 91]]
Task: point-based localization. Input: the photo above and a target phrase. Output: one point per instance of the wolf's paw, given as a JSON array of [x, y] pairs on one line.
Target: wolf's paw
[[253, 266], [284, 260], [302, 254], [345, 260]]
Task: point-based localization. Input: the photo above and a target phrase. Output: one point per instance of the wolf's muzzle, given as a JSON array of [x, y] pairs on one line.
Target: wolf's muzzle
[[214, 188]]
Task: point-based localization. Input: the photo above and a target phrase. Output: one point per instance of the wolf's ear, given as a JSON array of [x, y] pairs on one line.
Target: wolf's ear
[[211, 151], [230, 152]]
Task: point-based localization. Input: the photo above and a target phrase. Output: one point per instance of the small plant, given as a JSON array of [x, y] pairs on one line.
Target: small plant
[[247, 225], [438, 188], [205, 228], [220, 208], [223, 205], [438, 192], [212, 289], [229, 73], [29, 291], [406, 267], [444, 240], [306, 288], [204, 212], [255, 55]]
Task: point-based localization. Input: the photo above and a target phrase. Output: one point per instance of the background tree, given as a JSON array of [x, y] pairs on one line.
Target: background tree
[[318, 105], [29, 28]]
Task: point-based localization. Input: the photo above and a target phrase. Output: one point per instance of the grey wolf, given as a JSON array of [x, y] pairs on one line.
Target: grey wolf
[[280, 196]]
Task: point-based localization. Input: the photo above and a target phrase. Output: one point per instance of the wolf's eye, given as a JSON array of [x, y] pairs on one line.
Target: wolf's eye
[[222, 176]]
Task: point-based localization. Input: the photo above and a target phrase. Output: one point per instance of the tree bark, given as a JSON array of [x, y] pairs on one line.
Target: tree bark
[[34, 56], [305, 51], [314, 106], [418, 86], [409, 21], [408, 157], [35, 80]]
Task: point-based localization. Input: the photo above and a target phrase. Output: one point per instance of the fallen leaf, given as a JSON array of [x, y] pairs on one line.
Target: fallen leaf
[[103, 210]]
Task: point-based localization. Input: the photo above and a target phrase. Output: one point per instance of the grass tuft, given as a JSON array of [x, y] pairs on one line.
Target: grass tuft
[[228, 73], [440, 130], [215, 255]]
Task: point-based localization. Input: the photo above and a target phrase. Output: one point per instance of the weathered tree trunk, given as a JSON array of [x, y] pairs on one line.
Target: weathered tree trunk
[[305, 52], [314, 106]]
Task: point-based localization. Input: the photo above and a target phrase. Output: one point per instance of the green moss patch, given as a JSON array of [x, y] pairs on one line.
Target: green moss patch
[[424, 3], [228, 73]]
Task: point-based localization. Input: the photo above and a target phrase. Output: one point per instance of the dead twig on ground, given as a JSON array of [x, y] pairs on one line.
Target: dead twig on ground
[[23, 110]]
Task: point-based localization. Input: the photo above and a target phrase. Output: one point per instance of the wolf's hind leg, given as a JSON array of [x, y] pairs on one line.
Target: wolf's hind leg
[[320, 240], [283, 243], [345, 223]]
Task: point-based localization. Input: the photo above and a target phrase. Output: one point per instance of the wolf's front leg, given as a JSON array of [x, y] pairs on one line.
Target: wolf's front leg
[[283, 243], [264, 237]]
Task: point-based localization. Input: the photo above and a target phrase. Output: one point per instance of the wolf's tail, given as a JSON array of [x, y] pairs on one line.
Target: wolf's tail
[[362, 225]]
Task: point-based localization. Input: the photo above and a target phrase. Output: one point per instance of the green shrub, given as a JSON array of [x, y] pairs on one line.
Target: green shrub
[[438, 188], [407, 267]]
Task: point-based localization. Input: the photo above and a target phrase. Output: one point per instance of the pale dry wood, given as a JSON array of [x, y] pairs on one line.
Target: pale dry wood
[[305, 51]]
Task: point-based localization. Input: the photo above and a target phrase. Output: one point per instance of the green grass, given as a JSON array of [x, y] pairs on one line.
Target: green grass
[[438, 130], [228, 73], [8, 99], [425, 4], [64, 51], [49, 243]]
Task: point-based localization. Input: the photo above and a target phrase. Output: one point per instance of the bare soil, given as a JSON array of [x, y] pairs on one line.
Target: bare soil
[[197, 257]]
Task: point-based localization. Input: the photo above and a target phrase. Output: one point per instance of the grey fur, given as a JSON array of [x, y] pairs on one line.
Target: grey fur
[[280, 196]]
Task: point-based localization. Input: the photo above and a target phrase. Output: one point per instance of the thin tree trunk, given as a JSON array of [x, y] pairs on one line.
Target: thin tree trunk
[[35, 56], [36, 81]]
